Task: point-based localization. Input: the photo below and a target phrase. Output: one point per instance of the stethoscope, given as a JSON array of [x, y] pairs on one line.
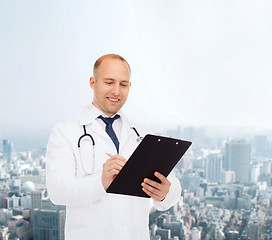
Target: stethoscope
[[89, 136]]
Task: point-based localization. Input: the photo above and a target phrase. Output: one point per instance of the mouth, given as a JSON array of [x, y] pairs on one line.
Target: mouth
[[113, 100]]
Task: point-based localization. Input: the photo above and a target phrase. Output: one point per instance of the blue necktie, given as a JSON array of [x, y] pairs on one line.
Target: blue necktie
[[110, 131]]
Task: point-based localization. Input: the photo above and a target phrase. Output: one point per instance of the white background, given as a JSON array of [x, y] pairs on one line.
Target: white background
[[193, 62]]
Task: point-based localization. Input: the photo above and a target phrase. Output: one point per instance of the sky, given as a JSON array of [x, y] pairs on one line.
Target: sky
[[193, 62]]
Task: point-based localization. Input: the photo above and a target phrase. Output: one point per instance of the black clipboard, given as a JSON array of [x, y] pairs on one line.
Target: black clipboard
[[154, 153]]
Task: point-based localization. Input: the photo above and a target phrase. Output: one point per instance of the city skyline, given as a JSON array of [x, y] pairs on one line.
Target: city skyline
[[216, 202], [34, 141]]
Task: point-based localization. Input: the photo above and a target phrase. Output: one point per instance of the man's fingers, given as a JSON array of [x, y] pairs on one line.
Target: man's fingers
[[119, 157], [157, 191], [114, 171], [163, 179], [118, 162], [150, 188], [113, 166], [160, 176], [108, 163], [152, 183], [153, 195]]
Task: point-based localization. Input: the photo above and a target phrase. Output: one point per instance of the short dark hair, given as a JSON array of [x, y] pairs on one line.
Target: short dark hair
[[100, 60]]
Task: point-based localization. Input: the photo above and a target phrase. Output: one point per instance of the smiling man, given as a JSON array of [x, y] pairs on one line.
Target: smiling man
[[110, 83], [79, 169]]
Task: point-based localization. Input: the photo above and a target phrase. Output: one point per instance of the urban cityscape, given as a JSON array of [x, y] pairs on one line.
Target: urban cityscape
[[226, 179]]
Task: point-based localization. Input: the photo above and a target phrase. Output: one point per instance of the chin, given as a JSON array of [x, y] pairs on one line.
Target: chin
[[111, 111]]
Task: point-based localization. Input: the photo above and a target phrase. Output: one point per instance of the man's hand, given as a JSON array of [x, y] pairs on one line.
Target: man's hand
[[111, 168], [157, 191]]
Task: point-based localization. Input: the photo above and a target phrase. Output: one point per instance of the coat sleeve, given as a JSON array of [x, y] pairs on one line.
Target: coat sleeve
[[63, 187], [173, 195]]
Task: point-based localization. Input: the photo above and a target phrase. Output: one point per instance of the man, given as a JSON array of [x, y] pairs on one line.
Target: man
[[79, 178]]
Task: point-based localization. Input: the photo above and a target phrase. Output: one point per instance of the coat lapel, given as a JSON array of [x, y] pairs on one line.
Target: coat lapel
[[88, 118], [126, 132], [98, 129]]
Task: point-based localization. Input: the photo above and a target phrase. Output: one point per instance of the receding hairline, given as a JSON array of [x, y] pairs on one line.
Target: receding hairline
[[102, 58]]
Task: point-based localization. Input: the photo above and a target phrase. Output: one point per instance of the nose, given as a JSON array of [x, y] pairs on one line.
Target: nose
[[116, 90]]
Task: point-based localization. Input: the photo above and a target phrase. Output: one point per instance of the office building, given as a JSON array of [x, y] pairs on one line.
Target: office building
[[15, 184], [254, 173], [36, 199], [47, 204], [232, 235], [195, 234], [213, 167], [254, 230], [7, 202], [15, 201], [48, 224], [237, 159], [157, 237], [165, 234], [190, 182], [5, 215], [261, 145], [6, 150], [26, 201], [175, 227], [228, 177], [19, 228], [265, 169], [22, 212]]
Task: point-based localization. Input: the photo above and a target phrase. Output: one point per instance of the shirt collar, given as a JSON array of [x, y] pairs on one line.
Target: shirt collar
[[91, 113]]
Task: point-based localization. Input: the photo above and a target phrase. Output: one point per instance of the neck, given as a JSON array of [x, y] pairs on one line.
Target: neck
[[108, 114]]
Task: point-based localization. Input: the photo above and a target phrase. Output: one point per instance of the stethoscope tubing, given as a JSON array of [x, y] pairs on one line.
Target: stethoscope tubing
[[93, 142], [85, 135]]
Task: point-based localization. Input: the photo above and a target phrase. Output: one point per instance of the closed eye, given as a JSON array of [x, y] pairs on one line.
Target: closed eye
[[109, 83], [124, 83]]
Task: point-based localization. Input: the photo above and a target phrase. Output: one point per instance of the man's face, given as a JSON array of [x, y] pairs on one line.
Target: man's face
[[111, 85]]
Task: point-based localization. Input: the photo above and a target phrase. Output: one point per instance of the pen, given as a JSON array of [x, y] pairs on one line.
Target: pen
[[110, 155]]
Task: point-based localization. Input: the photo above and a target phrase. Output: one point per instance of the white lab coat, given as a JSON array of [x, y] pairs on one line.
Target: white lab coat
[[91, 213]]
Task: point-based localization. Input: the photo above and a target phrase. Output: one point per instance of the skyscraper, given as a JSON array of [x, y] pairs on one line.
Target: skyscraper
[[265, 169], [6, 150], [9, 152], [261, 145], [213, 167], [48, 224], [36, 199], [254, 230], [237, 159]]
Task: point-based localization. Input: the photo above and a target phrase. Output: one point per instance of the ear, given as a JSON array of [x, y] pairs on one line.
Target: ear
[[92, 82], [130, 84]]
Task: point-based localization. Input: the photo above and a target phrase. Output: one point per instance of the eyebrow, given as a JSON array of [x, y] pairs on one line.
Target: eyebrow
[[112, 79]]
